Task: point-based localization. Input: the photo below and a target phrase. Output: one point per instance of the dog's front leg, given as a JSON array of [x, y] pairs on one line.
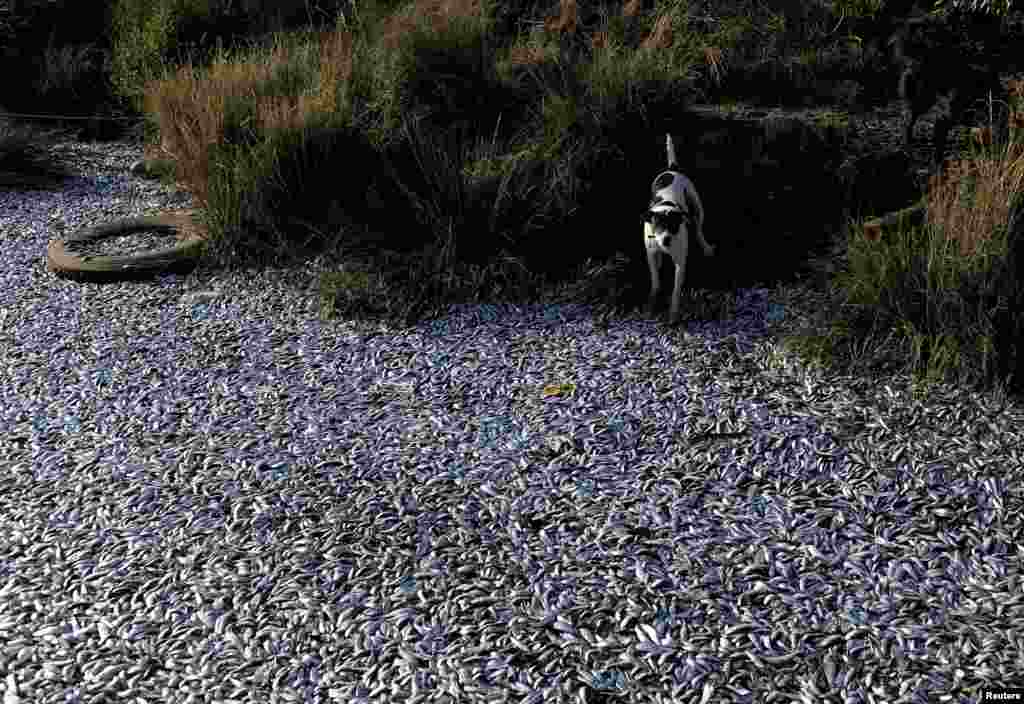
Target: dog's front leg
[[677, 291], [654, 263]]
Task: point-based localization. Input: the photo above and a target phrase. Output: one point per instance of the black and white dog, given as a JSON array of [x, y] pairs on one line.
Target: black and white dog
[[675, 211]]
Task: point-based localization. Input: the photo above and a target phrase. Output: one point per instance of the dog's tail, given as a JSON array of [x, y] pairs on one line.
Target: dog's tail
[[670, 147]]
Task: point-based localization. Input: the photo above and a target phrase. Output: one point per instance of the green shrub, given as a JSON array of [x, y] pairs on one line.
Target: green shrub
[[147, 36]]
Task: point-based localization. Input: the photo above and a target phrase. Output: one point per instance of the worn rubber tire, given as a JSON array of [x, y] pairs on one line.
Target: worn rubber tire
[[181, 258]]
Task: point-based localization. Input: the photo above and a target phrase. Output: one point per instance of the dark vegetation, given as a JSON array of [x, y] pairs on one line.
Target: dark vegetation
[[442, 150]]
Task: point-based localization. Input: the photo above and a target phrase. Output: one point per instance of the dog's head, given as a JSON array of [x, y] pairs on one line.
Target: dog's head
[[666, 220]]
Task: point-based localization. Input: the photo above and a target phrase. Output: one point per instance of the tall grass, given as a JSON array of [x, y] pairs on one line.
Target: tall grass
[[436, 159], [935, 291]]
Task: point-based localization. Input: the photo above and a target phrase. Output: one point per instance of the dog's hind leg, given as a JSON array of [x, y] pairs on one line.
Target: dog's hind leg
[[697, 224]]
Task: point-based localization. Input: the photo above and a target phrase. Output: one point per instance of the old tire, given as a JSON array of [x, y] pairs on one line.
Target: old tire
[[182, 257]]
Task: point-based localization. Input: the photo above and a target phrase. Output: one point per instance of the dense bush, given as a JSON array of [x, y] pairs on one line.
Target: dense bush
[[31, 31], [488, 128], [31, 24]]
